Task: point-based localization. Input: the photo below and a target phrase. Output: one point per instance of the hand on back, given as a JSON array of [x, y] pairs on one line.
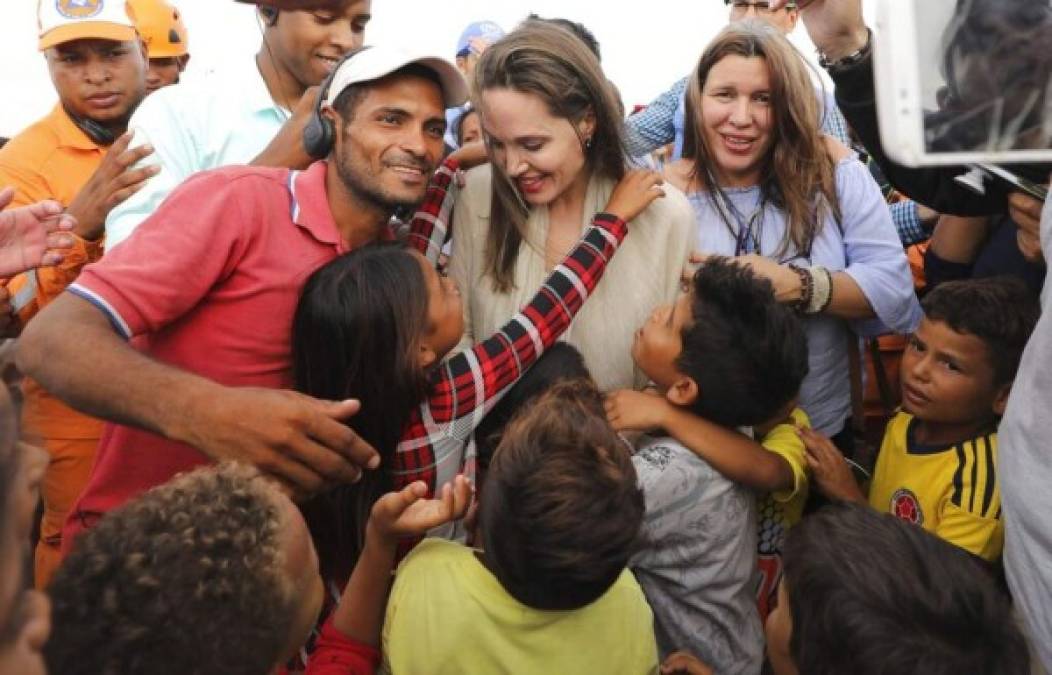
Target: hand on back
[[303, 442]]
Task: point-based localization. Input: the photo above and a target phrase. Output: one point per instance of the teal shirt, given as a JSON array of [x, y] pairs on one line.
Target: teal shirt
[[224, 117]]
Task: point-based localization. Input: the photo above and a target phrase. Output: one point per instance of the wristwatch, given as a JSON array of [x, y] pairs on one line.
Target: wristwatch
[[849, 61]]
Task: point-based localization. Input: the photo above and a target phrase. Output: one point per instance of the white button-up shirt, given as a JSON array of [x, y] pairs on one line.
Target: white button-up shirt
[[225, 117]]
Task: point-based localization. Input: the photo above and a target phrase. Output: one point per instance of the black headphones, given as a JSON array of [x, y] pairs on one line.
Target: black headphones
[[320, 135], [269, 14], [98, 134]]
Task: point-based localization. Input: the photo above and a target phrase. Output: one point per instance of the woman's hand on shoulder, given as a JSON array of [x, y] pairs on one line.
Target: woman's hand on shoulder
[[634, 193]]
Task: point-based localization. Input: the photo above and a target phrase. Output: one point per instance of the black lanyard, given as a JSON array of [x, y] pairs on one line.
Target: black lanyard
[[750, 230]]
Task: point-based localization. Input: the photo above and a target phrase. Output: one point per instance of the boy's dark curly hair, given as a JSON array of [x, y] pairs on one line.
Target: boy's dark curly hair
[[186, 578], [1000, 311], [746, 352]]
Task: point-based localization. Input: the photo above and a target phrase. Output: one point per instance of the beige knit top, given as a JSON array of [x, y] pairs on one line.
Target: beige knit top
[[644, 274]]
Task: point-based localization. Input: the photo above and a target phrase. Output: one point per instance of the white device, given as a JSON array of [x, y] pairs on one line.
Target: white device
[[964, 81]]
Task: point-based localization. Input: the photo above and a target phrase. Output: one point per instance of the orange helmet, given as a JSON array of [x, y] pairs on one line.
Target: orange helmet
[[161, 27]]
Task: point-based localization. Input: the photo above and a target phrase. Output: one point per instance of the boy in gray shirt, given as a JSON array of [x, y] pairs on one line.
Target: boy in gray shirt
[[727, 352]]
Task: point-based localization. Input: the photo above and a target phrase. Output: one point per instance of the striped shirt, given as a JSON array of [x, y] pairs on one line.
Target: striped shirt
[[951, 490], [436, 444]]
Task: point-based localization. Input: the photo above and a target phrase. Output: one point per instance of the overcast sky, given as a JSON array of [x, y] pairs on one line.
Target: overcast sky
[[646, 45]]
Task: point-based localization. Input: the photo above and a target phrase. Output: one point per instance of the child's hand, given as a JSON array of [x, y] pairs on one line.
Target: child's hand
[[629, 410], [682, 663], [470, 155], [408, 513], [634, 193], [829, 468]]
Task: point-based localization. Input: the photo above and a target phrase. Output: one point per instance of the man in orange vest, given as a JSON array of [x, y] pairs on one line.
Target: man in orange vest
[[77, 156]]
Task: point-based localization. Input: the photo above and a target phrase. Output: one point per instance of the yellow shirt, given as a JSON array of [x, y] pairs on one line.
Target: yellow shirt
[[448, 615], [951, 491], [51, 159], [776, 512]]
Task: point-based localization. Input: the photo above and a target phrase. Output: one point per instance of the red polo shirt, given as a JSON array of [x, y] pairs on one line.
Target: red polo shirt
[[209, 284]]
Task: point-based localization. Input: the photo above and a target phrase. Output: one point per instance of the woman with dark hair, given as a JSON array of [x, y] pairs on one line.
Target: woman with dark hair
[[554, 139], [797, 207]]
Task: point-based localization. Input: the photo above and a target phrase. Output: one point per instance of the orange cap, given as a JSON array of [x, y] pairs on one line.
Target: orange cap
[[161, 27]]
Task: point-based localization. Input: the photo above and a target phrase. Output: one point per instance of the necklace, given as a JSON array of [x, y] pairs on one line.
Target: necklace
[[749, 232]]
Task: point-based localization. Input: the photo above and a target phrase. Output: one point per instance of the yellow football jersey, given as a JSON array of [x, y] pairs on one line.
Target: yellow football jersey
[[951, 491]]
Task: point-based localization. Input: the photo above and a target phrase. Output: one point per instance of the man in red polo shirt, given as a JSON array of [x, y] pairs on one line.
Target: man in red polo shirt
[[206, 290]]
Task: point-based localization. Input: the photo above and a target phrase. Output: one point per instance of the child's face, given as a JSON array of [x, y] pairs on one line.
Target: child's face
[[301, 571], [470, 128], [779, 629], [445, 312], [659, 342], [947, 377]]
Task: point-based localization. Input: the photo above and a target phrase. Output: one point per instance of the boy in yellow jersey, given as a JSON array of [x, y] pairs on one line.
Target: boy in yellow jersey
[[937, 464]]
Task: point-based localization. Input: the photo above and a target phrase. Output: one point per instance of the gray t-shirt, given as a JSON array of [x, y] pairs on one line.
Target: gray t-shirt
[[1024, 463], [698, 569]]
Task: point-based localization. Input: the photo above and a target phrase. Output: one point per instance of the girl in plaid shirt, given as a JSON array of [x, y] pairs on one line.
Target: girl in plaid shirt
[[376, 324]]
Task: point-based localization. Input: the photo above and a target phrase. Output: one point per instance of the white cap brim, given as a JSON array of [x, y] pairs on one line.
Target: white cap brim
[[373, 63]]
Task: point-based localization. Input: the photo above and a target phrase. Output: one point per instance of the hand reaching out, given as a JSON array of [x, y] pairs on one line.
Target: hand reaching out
[[32, 236], [408, 513], [829, 469], [117, 178]]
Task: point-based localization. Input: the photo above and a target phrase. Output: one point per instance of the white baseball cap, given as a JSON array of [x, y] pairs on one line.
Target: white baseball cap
[[373, 63], [67, 20]]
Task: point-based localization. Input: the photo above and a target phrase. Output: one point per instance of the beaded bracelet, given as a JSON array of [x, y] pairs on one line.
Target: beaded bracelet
[[807, 288]]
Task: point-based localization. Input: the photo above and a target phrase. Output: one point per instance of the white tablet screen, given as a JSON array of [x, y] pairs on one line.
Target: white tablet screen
[[985, 72]]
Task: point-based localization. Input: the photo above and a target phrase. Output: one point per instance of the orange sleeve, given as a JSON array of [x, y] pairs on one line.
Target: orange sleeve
[[30, 186], [32, 290]]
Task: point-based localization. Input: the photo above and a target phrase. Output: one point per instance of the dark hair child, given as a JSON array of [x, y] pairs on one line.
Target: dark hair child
[[376, 324]]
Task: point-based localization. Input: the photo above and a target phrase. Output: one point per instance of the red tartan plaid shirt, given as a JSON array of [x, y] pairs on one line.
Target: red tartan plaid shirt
[[467, 386]]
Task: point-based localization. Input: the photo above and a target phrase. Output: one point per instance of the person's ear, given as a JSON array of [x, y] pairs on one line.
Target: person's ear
[[683, 392], [1001, 399], [183, 60], [586, 127], [426, 356], [794, 16]]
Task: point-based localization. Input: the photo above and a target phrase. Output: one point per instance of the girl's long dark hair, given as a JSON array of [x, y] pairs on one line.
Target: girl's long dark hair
[[355, 335]]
